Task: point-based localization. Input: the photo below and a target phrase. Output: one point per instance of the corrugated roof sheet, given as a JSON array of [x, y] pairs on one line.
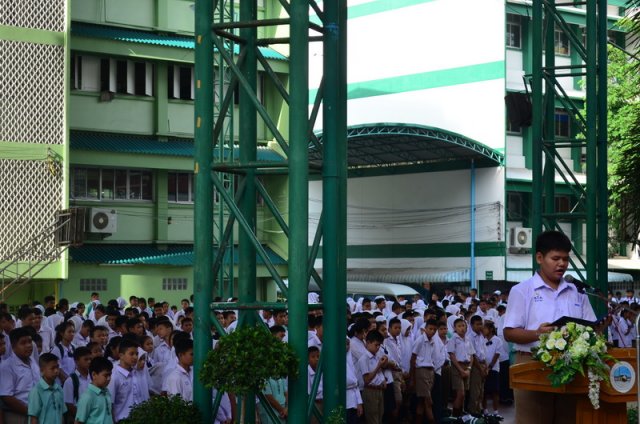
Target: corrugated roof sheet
[[146, 254], [147, 145], [145, 37]]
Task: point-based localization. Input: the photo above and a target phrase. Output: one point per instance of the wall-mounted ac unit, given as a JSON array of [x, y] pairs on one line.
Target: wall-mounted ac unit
[[520, 238], [102, 220]]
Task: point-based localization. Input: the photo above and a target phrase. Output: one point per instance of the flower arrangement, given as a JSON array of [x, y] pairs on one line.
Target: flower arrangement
[[569, 351]]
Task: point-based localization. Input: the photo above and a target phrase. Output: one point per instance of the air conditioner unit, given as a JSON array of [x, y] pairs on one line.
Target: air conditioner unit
[[520, 238], [102, 221]]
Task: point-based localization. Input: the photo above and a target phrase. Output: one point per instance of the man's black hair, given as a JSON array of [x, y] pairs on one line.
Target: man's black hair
[[121, 320], [552, 240], [127, 344], [18, 333], [81, 352], [100, 364], [183, 345], [393, 321], [47, 358], [275, 329], [374, 336], [432, 322], [312, 349], [131, 323], [475, 319]]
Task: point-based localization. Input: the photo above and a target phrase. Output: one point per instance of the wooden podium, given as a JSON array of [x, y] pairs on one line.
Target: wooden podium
[[613, 407]]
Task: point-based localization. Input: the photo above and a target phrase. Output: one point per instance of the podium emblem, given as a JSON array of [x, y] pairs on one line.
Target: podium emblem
[[622, 377]]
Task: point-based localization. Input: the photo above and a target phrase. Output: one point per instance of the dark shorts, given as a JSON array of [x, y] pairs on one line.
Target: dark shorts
[[492, 383]]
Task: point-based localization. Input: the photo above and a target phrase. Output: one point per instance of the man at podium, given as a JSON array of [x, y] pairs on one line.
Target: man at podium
[[533, 305]]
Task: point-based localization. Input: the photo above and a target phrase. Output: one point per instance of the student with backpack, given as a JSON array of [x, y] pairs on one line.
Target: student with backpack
[[77, 382]]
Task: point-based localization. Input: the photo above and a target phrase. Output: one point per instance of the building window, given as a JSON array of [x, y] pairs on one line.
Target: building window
[[180, 82], [562, 124], [513, 128], [111, 184], [93, 284], [514, 206], [174, 284], [180, 187], [561, 42], [514, 31], [90, 73]]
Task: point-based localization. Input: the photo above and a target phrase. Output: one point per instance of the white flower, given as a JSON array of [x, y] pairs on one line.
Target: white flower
[[550, 344], [586, 335], [561, 344]]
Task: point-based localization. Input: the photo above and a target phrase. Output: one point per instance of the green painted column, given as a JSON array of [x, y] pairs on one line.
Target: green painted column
[[162, 98], [334, 185], [248, 153], [298, 205], [203, 209], [162, 14], [161, 206], [602, 140], [592, 140]]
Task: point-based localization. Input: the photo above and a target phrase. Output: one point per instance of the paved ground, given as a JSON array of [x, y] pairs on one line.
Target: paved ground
[[509, 414]]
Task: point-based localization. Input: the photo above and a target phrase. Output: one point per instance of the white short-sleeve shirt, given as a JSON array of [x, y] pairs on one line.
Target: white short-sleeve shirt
[[17, 378], [67, 388], [180, 382], [533, 302], [462, 348]]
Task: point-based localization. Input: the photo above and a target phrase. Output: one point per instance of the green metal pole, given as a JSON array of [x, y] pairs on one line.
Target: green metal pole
[[203, 209], [537, 119], [334, 183], [548, 127], [592, 139], [298, 204], [603, 221], [248, 153]]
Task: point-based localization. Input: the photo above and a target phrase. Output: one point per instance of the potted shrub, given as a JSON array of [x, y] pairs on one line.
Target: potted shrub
[[164, 410], [245, 360]]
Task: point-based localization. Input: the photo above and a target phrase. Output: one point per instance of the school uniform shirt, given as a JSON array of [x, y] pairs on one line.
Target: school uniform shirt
[[162, 353], [224, 411], [168, 369], [94, 406], [357, 348], [490, 315], [425, 351], [52, 321], [79, 340], [407, 344], [48, 338], [65, 355], [479, 345], [124, 391], [493, 346], [180, 382], [67, 388], [442, 355], [462, 348], [366, 364], [625, 335], [18, 377], [393, 346], [532, 302], [312, 373], [354, 398], [46, 403], [388, 375]]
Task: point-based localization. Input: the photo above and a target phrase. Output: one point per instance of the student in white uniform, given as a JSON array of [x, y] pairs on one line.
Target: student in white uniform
[[533, 305], [180, 380]]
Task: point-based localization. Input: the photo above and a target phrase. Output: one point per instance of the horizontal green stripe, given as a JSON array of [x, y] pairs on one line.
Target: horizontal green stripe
[[424, 80], [30, 35], [381, 6], [28, 151], [526, 187], [428, 250]]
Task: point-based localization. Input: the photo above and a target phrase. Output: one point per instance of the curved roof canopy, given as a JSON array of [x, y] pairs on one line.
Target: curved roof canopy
[[392, 146]]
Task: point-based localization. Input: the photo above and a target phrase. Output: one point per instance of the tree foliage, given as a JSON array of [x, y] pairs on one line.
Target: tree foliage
[[624, 142], [243, 361]]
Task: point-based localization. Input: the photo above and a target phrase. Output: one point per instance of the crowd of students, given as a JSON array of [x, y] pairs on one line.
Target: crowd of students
[[407, 360]]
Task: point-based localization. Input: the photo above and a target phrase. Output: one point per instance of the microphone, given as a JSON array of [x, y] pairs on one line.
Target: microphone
[[581, 286]]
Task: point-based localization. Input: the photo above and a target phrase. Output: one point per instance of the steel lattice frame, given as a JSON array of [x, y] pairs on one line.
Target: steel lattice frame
[[591, 126], [242, 207]]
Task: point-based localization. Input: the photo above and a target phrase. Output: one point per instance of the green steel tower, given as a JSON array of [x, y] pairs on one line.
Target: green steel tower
[[590, 124], [287, 25]]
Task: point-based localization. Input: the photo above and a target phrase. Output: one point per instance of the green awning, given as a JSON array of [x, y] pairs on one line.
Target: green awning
[[149, 145], [146, 254], [146, 37]]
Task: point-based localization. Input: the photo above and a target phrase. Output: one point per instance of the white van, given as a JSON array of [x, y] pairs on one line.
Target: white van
[[358, 289]]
